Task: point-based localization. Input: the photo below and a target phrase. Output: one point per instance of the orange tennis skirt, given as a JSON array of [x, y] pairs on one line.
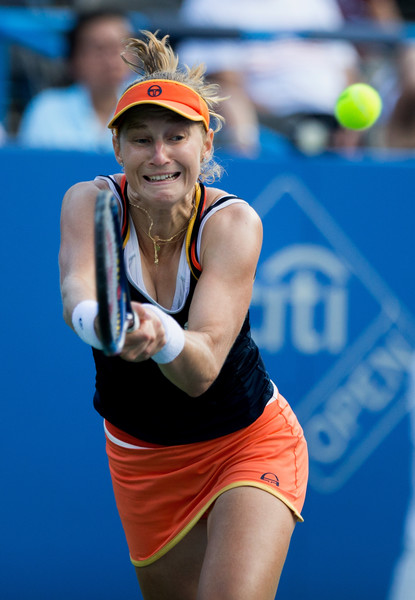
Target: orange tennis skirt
[[162, 491]]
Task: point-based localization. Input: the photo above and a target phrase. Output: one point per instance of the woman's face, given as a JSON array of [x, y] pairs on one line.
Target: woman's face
[[161, 153]]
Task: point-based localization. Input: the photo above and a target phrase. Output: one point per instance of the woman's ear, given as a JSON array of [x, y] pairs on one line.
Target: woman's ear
[[207, 146], [117, 147]]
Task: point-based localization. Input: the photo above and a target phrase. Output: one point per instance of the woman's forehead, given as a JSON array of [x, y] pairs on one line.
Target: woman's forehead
[[138, 116]]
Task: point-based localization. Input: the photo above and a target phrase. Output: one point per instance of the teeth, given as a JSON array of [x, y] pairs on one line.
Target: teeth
[[162, 177]]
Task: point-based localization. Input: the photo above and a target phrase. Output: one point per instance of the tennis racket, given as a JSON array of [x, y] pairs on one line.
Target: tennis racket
[[115, 315]]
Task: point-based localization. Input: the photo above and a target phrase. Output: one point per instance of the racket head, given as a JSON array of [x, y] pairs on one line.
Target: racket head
[[114, 311]]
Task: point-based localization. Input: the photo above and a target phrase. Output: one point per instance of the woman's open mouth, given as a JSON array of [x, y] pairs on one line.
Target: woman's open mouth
[[162, 177]]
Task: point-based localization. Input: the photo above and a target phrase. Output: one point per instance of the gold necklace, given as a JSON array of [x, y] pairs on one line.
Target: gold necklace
[[158, 241]]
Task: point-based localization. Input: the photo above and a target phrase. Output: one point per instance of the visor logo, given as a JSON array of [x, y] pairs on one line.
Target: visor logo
[[154, 91]]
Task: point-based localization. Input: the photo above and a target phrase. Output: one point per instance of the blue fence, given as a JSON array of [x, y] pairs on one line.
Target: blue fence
[[333, 313]]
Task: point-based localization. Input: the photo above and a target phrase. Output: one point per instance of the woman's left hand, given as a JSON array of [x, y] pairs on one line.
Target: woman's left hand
[[145, 341]]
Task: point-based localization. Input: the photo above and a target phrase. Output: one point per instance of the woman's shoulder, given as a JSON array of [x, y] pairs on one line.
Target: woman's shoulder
[[82, 192], [214, 194], [237, 208], [218, 197]]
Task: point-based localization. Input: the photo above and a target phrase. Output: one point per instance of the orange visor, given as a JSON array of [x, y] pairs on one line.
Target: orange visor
[[172, 95]]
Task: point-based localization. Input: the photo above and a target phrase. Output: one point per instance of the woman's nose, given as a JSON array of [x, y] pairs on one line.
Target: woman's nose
[[160, 155]]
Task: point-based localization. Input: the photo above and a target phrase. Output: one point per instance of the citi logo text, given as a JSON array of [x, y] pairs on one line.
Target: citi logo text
[[302, 294]]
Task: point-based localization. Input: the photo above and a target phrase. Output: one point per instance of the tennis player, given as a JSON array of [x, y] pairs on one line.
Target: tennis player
[[208, 461]]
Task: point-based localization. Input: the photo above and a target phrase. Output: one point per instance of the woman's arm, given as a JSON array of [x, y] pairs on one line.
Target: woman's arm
[[76, 253]]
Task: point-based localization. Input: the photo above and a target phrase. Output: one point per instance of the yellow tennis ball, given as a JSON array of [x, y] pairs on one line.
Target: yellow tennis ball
[[358, 106]]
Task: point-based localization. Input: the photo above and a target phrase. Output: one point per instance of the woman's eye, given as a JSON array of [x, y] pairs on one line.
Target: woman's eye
[[141, 140]]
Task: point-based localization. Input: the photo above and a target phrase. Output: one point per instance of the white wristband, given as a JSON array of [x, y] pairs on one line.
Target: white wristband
[[174, 337], [83, 318]]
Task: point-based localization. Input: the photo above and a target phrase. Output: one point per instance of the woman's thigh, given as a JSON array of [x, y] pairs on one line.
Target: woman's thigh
[[249, 532]]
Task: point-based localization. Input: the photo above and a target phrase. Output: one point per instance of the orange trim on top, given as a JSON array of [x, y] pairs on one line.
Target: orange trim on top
[[193, 256]]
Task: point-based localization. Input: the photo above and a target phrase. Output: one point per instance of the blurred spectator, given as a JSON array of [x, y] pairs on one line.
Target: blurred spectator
[[400, 129], [378, 11], [394, 75], [388, 69], [76, 117], [290, 84]]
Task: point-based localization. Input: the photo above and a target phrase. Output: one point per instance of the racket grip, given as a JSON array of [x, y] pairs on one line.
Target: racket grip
[[134, 322]]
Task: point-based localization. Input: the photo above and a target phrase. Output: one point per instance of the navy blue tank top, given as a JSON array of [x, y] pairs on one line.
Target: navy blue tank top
[[138, 399]]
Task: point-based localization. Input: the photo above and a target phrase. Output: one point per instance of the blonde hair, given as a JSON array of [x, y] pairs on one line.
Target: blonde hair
[[154, 58]]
